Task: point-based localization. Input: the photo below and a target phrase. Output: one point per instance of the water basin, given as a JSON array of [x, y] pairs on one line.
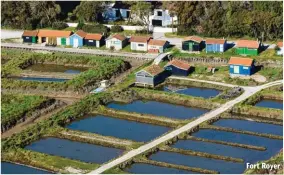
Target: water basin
[[74, 150], [160, 109], [118, 128], [40, 79], [56, 68], [270, 104], [11, 168]]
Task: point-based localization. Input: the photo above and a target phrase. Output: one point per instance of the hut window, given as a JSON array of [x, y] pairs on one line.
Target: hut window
[[27, 37], [231, 66], [245, 67], [91, 41], [141, 45], [159, 13]]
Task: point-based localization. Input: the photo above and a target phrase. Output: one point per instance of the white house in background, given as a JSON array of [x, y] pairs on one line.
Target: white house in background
[[115, 11], [162, 18], [157, 46], [139, 43], [280, 51], [116, 41]]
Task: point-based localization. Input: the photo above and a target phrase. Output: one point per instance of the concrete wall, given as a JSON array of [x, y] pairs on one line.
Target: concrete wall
[[135, 46]]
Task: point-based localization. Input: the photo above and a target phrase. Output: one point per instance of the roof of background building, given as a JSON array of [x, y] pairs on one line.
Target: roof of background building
[[179, 64], [248, 43], [54, 33], [193, 38], [121, 5], [117, 36], [140, 39], [30, 33], [241, 61], [157, 42], [215, 41], [93, 36]]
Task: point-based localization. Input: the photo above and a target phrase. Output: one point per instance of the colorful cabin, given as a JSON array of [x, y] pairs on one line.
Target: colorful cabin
[[247, 47], [241, 66], [54, 37], [157, 46], [139, 43], [215, 45], [30, 36], [192, 44], [94, 39], [178, 67], [150, 76], [280, 48], [116, 41], [77, 39]]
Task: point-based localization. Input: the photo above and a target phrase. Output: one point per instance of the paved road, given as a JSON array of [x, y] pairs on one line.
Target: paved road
[[159, 58], [249, 91], [5, 34], [146, 56]]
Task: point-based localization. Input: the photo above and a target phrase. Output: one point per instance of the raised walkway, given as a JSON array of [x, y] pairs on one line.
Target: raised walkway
[[159, 58], [145, 56], [249, 91]]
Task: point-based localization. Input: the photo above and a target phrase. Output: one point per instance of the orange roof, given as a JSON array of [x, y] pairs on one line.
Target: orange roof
[[30, 33], [157, 42], [54, 33], [81, 33], [179, 64], [280, 44], [140, 39], [119, 37], [241, 61], [215, 41], [153, 69], [193, 38], [248, 43], [93, 36]]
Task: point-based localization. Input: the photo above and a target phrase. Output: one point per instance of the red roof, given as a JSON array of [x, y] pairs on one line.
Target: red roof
[[30, 33], [280, 44], [193, 38], [215, 41], [157, 42], [179, 64], [54, 33], [119, 37], [241, 61], [140, 39], [93, 36], [248, 43], [81, 33]]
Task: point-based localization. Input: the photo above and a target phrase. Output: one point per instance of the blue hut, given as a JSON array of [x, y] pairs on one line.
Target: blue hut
[[215, 45], [77, 39], [241, 66], [178, 67], [150, 76]]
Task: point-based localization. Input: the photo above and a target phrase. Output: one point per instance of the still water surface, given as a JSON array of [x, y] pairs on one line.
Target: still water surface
[[11, 168]]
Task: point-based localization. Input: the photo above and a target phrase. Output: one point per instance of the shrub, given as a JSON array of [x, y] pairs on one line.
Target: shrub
[[80, 25], [143, 31], [116, 28], [99, 28], [59, 25]]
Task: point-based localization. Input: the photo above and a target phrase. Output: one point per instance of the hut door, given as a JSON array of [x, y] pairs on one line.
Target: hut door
[[63, 41], [75, 42], [33, 39], [236, 69], [190, 46]]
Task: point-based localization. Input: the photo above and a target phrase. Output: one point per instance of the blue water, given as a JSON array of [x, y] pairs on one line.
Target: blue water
[[10, 168], [119, 128], [160, 109], [270, 104], [192, 91], [42, 79], [238, 138], [194, 161], [74, 150], [139, 168], [251, 126], [56, 68]]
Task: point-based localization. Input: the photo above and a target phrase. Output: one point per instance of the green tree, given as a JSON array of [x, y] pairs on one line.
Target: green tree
[[142, 11], [90, 11]]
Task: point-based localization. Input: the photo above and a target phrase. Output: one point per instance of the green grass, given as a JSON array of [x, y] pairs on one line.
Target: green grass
[[128, 49], [71, 29]]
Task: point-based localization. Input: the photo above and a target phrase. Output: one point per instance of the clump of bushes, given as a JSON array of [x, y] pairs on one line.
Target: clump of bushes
[[143, 31], [98, 28], [59, 25], [116, 28]]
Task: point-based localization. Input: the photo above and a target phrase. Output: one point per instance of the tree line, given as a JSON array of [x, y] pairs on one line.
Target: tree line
[[256, 19]]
